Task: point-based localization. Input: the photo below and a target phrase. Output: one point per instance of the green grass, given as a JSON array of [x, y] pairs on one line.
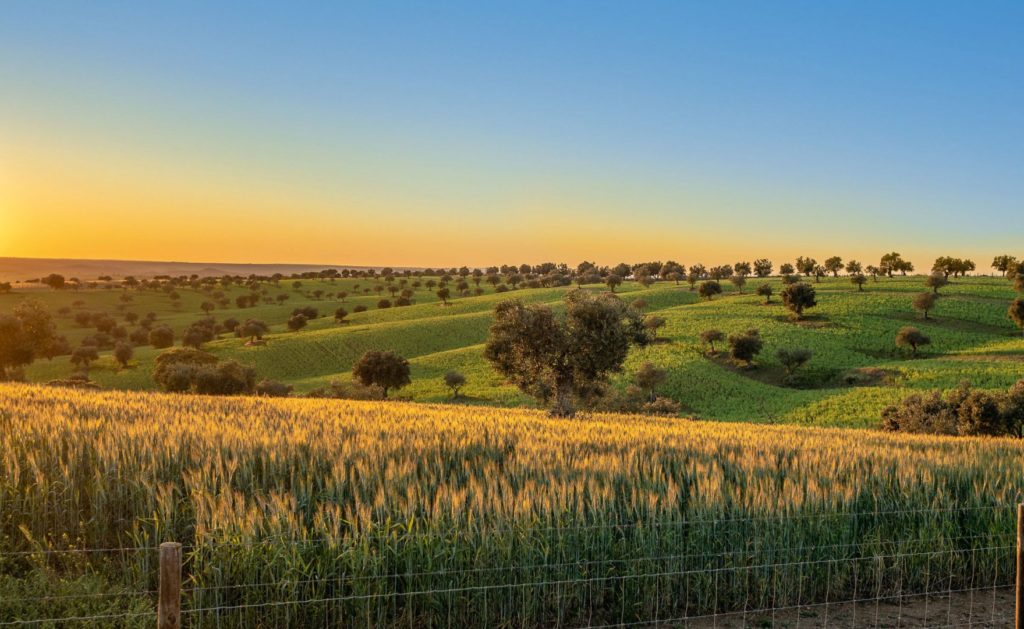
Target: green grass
[[972, 339]]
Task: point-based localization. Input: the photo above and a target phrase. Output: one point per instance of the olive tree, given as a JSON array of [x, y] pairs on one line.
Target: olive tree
[[936, 281], [924, 302], [568, 355], [709, 289], [834, 265], [793, 359], [454, 381], [762, 267], [799, 297], [710, 337], [745, 346], [123, 352], [1016, 312], [384, 369], [909, 336], [649, 378]]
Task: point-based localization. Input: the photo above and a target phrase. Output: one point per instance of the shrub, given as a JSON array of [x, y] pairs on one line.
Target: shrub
[[793, 359], [173, 367], [911, 337], [798, 297], [924, 302], [1016, 312], [765, 290], [359, 308], [224, 378], [252, 329], [661, 406], [296, 322], [273, 388], [84, 356], [652, 324], [709, 289], [161, 337], [384, 303], [123, 352], [454, 381], [744, 347], [710, 337], [307, 311], [936, 281], [649, 378], [963, 411]]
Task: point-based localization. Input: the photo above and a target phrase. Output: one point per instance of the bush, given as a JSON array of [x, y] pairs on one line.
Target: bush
[[123, 352], [161, 337], [744, 347], [225, 378], [273, 388], [793, 359], [662, 406], [710, 337], [454, 381], [359, 308], [384, 303], [964, 411], [307, 311], [173, 367], [924, 302], [799, 297], [709, 289], [297, 322], [911, 337]]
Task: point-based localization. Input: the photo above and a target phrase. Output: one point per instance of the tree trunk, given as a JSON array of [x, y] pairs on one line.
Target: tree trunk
[[564, 406]]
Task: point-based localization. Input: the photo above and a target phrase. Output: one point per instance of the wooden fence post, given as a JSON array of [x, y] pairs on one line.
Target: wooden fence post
[[1019, 624], [168, 613]]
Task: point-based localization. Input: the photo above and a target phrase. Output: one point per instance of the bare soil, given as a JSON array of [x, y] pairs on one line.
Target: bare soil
[[991, 608]]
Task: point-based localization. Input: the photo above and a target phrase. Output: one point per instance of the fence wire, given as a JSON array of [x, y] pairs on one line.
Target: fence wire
[[930, 576]]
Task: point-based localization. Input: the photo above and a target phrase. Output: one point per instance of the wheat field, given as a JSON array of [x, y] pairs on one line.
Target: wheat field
[[383, 513]]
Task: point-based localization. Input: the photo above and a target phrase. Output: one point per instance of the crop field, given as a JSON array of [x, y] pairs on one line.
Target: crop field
[[397, 514], [851, 334]]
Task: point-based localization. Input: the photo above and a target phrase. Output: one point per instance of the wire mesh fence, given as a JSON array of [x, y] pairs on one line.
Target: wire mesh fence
[[913, 568]]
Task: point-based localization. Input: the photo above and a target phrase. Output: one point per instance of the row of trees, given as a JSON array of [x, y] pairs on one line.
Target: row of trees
[[889, 264]]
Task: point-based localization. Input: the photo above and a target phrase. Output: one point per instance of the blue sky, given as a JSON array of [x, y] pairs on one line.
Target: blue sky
[[525, 130]]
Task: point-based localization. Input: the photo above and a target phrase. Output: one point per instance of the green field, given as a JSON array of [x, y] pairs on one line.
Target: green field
[[972, 340]]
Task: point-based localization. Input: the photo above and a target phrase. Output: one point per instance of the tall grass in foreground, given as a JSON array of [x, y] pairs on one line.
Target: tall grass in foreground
[[390, 511]]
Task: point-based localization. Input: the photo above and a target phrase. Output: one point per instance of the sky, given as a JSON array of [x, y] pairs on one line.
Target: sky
[[439, 133]]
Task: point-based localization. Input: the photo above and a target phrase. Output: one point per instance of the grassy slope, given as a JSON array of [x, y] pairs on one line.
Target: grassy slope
[[972, 340]]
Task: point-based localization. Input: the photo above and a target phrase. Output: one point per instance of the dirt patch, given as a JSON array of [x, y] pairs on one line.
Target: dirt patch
[[988, 358], [976, 608], [868, 377], [812, 321], [772, 375]]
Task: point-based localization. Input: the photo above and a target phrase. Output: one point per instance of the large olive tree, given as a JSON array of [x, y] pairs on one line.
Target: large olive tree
[[563, 355]]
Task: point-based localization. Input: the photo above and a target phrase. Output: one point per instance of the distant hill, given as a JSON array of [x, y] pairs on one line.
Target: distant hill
[[21, 269]]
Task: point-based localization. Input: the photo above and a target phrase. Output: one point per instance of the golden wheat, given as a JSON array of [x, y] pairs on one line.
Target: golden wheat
[[388, 508]]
